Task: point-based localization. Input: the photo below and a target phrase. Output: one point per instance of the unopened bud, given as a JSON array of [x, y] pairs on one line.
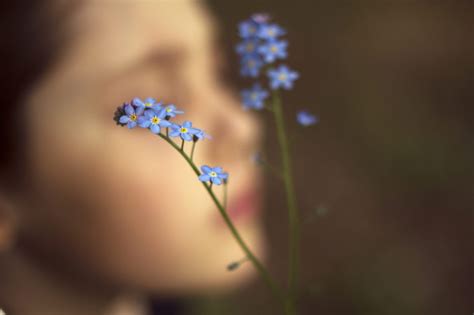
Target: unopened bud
[[234, 265], [119, 112]]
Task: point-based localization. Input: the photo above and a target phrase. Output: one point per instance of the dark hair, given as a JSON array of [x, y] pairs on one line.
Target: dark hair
[[29, 44]]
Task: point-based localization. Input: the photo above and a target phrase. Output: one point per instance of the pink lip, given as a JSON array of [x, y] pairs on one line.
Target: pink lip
[[245, 206]]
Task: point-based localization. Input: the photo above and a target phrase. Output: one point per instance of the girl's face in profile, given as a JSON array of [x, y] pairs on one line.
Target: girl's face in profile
[[120, 205]]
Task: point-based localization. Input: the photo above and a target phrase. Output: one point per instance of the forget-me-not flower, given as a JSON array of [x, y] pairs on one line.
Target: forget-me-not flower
[[213, 174], [185, 131], [251, 65], [201, 135], [172, 111], [305, 118], [248, 29], [273, 50], [148, 103], [131, 116], [154, 120], [270, 31], [247, 47], [282, 77], [260, 17], [254, 98]]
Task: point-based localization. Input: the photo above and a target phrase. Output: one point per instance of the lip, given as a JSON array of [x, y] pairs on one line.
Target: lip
[[245, 206]]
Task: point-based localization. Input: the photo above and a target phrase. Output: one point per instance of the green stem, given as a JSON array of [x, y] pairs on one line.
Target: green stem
[[192, 150], [182, 145], [294, 228], [255, 261], [225, 195]]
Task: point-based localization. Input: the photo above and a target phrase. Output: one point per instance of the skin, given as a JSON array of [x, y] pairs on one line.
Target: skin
[[110, 215]]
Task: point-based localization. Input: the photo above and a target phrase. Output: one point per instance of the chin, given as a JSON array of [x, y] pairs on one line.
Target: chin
[[213, 277], [224, 281]]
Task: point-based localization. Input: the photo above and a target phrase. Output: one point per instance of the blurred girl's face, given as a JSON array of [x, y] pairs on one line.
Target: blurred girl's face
[[120, 205]]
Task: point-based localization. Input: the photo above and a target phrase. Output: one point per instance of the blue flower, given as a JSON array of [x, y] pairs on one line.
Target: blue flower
[[185, 131], [255, 97], [304, 118], [213, 174], [282, 77], [131, 116], [154, 120], [248, 29], [260, 17], [251, 65], [201, 135], [273, 50], [270, 31], [148, 103], [247, 47], [172, 111], [257, 158]]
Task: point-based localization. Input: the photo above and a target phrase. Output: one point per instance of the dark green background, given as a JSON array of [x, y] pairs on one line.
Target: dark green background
[[385, 180]]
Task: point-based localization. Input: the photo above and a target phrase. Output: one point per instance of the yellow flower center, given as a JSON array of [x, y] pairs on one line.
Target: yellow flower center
[[148, 104], [282, 77], [251, 63], [271, 32], [155, 120], [133, 117], [213, 174], [184, 130], [249, 47], [168, 110], [253, 96], [274, 48]]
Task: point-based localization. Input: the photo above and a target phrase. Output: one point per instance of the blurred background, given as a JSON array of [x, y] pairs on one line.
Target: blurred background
[[385, 180]]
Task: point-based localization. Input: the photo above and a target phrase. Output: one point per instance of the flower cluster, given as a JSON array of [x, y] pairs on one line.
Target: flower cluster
[[261, 46], [153, 115]]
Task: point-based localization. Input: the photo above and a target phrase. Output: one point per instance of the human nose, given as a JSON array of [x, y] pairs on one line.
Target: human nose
[[237, 132]]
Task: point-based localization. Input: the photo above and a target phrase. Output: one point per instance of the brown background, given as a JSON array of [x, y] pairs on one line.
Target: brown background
[[385, 180]]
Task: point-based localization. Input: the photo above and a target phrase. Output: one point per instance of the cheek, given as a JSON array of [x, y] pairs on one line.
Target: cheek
[[132, 211], [160, 216]]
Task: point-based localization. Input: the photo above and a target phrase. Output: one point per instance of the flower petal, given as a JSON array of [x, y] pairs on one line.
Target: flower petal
[[174, 133], [139, 111], [206, 169], [204, 178], [124, 119], [155, 128], [149, 114], [150, 100], [216, 180], [165, 123], [217, 169], [128, 109], [138, 102], [186, 137], [144, 123], [193, 131]]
